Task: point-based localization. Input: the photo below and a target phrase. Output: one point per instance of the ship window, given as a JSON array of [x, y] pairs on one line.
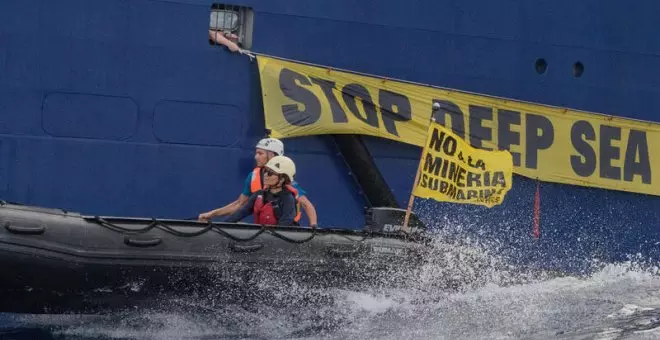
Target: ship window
[[541, 66], [578, 69], [232, 20]]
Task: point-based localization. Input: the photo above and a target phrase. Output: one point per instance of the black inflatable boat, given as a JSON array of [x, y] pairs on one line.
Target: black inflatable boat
[[53, 261]]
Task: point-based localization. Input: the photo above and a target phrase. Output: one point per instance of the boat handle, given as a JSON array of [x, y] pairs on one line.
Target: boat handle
[[248, 248], [142, 243], [16, 229]]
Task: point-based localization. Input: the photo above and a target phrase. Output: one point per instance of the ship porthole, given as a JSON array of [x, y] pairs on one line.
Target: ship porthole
[[578, 69], [541, 66]]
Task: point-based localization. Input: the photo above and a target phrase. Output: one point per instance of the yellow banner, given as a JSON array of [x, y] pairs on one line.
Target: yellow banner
[[450, 170], [548, 143]]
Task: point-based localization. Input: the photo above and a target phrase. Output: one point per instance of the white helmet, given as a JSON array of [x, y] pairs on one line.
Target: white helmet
[[282, 165], [271, 144]]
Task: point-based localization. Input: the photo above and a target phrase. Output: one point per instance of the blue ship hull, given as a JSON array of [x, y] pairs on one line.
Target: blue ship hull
[[124, 108]]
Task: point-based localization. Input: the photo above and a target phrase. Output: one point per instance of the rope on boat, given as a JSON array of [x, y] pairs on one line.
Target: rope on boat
[[210, 226]]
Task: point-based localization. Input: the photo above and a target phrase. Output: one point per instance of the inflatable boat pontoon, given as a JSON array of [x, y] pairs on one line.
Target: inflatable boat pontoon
[[54, 261]]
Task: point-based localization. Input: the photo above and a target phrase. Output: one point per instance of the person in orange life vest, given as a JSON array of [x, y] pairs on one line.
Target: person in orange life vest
[[266, 149], [275, 204]]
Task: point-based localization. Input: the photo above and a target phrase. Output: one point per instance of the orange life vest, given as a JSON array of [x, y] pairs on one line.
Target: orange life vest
[[257, 184]]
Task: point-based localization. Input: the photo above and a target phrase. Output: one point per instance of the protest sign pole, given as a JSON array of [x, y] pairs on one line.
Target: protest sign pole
[[411, 200]]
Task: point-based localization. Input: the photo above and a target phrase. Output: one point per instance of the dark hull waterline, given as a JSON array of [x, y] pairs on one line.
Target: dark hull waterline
[[55, 261]]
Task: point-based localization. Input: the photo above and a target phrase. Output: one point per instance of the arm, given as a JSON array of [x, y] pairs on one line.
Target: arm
[[219, 38], [243, 211], [226, 210], [288, 205], [309, 210], [233, 206], [306, 205]]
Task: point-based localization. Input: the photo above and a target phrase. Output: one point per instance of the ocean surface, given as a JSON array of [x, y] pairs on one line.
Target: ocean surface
[[489, 299]]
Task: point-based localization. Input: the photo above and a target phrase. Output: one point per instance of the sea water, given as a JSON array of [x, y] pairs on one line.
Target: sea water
[[490, 298]]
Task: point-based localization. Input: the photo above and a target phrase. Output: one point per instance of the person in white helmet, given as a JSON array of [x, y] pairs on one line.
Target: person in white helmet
[[275, 203], [266, 149]]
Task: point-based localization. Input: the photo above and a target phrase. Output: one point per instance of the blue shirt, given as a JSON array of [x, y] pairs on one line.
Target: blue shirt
[[248, 180]]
